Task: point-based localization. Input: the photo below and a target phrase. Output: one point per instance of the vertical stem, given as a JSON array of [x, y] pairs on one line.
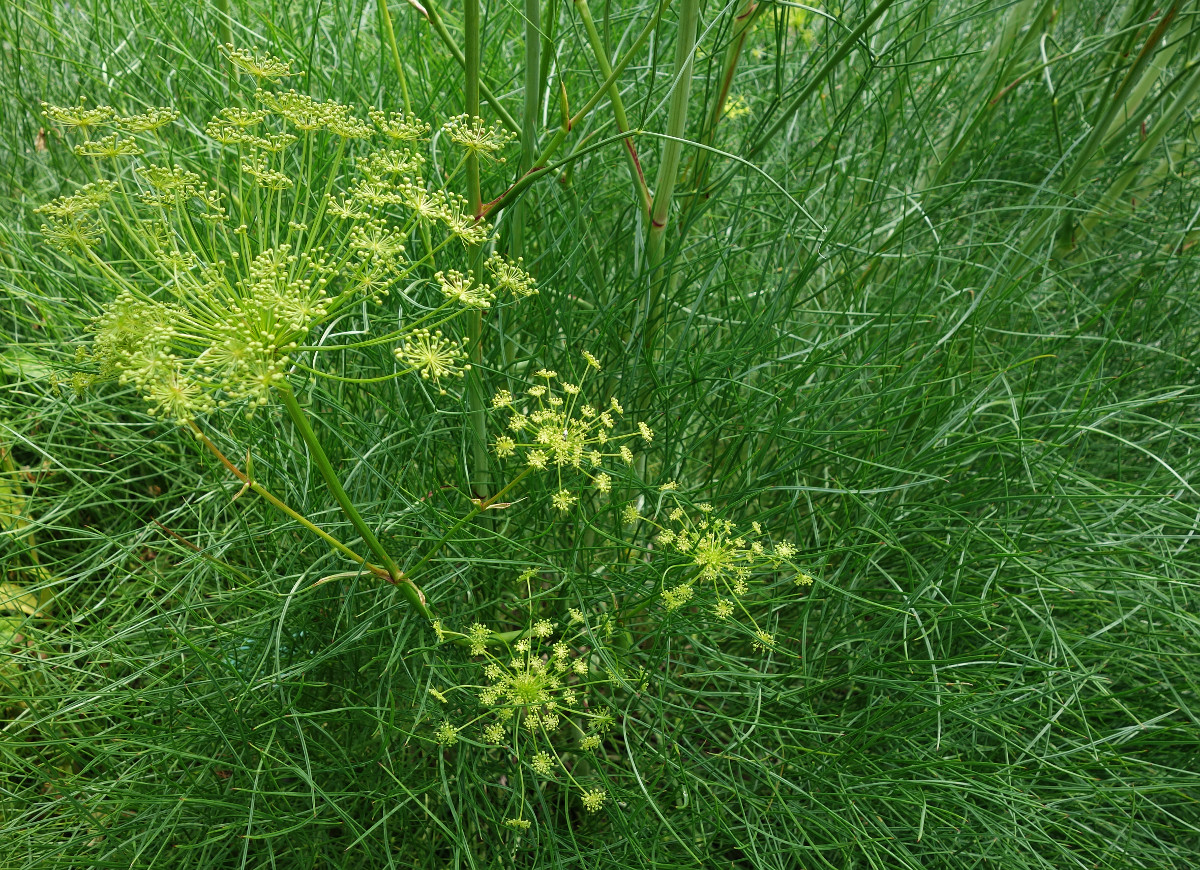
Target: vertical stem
[[226, 21], [431, 14], [560, 135], [533, 83], [480, 481], [614, 96], [529, 115], [668, 170], [471, 15], [389, 33], [733, 54], [530, 111], [549, 32]]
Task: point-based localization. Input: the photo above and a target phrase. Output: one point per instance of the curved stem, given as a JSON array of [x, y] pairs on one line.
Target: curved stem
[[280, 505], [345, 380]]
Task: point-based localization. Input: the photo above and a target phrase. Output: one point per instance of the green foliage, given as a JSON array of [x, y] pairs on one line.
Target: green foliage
[[276, 240], [921, 310]]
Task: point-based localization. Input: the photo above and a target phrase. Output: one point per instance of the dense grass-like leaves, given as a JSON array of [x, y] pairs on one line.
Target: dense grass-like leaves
[[906, 325]]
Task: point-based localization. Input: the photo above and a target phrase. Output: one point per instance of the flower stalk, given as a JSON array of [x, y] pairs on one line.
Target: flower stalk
[[325, 468], [429, 11], [480, 464], [389, 33], [280, 505], [614, 96]]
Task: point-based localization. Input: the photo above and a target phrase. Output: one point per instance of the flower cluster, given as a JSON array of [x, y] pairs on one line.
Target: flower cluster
[[535, 696], [553, 428], [433, 355], [474, 136], [260, 65], [221, 274], [710, 555]]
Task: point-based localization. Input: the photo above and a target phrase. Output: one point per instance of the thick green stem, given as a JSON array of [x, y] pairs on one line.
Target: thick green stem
[[534, 85], [530, 112], [614, 96], [325, 468], [540, 167], [471, 15], [733, 54], [431, 14], [529, 115], [389, 35], [284, 508], [549, 34], [668, 169], [226, 22], [480, 461]]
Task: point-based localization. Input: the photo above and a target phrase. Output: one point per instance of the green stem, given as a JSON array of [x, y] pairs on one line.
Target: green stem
[[614, 96], [481, 505], [530, 111], [431, 14], [540, 168], [389, 33], [226, 29], [404, 583], [325, 468], [532, 106], [480, 482], [733, 54], [668, 169], [548, 35], [472, 62], [284, 508]]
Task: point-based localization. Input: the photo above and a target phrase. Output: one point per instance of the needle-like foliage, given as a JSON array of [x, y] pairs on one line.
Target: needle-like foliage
[[900, 570]]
